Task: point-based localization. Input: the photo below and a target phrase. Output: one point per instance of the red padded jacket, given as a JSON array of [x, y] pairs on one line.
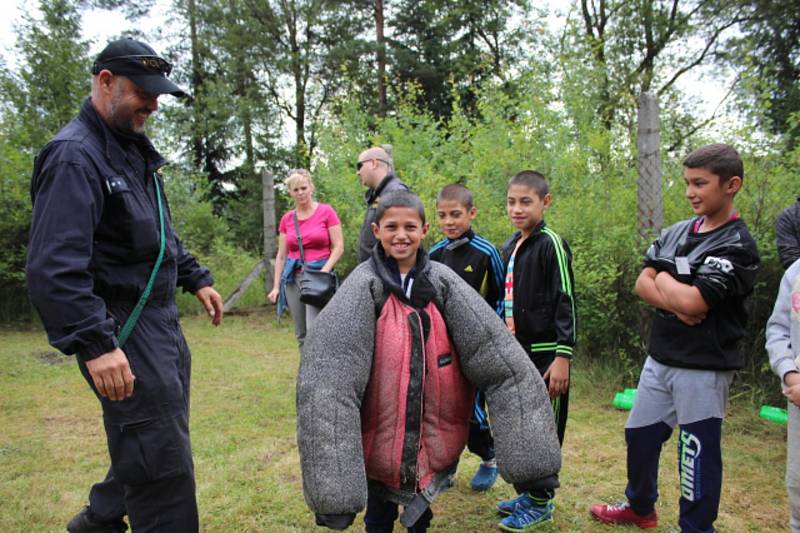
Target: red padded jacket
[[416, 408]]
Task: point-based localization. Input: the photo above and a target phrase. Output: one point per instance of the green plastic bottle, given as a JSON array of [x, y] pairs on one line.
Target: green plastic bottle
[[624, 400], [774, 414]]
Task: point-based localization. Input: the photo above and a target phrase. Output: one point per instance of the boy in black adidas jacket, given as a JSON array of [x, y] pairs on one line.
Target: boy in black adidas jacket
[[477, 262], [540, 312]]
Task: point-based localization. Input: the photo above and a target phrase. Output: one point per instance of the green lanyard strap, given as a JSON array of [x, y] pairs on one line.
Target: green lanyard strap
[[134, 316]]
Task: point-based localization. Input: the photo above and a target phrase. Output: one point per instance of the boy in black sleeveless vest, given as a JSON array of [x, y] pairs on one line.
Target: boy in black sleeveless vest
[[697, 275]]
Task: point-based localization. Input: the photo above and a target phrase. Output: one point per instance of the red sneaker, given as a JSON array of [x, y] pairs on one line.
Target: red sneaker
[[622, 513]]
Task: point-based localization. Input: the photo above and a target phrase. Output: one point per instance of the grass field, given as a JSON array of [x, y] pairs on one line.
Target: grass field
[[52, 446]]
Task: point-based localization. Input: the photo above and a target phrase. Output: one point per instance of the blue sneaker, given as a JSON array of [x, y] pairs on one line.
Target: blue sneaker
[[484, 478], [529, 514], [507, 507]]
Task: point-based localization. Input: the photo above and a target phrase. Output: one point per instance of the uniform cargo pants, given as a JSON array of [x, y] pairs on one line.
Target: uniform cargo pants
[[151, 478]]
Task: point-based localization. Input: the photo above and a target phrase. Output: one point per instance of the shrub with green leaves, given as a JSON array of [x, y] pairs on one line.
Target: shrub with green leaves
[[593, 182]]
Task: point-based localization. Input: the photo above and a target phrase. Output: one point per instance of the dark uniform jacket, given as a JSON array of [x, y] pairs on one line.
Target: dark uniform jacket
[[544, 304], [372, 196], [722, 264], [95, 234], [787, 235], [478, 263]]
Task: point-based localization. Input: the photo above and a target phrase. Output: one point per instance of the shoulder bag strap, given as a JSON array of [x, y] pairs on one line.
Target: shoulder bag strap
[[134, 316], [299, 238]]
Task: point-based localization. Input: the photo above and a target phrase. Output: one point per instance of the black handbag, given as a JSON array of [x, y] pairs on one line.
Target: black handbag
[[316, 287]]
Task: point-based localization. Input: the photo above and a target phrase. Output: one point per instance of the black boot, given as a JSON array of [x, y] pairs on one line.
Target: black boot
[[83, 523]]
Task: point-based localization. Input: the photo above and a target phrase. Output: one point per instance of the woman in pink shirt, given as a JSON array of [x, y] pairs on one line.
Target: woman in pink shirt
[[323, 245]]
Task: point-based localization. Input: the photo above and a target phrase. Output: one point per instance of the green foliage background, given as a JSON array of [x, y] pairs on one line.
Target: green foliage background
[[476, 93], [594, 207]]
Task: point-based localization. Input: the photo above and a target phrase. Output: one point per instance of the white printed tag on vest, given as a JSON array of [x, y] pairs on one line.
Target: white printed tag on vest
[[682, 263]]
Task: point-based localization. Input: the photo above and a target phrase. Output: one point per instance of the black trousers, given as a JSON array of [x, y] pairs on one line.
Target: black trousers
[[151, 478], [381, 514], [560, 404], [480, 441]]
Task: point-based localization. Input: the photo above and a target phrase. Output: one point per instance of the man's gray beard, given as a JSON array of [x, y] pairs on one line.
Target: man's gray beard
[[118, 123]]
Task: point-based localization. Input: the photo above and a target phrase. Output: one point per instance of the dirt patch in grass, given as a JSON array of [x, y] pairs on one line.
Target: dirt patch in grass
[[52, 358]]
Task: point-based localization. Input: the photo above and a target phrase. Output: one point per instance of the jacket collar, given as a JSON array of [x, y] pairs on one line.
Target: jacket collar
[[372, 194], [422, 290], [536, 231], [458, 242], [111, 140]]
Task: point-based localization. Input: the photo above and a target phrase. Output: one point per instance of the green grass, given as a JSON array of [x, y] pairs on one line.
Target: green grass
[[52, 445]]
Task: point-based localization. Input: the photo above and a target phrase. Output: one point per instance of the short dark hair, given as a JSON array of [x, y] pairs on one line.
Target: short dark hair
[[457, 193], [399, 199], [531, 179], [720, 159]]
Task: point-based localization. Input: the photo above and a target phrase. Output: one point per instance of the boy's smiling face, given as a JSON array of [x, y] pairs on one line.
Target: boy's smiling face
[[525, 207], [400, 232], [708, 195], [454, 218]]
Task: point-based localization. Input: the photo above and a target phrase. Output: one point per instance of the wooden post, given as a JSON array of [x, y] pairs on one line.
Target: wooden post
[[648, 143], [237, 293], [267, 262], [270, 244]]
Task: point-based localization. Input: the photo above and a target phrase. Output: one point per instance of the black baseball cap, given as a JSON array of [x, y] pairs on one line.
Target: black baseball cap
[[138, 62]]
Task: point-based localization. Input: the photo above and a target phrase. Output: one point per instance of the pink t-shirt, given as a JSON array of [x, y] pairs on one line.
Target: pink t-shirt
[[313, 230]]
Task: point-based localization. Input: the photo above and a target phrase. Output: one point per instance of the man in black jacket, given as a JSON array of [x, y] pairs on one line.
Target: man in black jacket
[[787, 235], [103, 266], [375, 169]]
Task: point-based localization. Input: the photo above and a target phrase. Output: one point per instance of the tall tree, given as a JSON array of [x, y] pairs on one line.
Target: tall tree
[[769, 48], [641, 46], [40, 97], [53, 77], [305, 48], [447, 44], [229, 126]]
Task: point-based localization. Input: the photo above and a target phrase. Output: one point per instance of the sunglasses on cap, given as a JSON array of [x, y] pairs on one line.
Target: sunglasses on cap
[[148, 62], [364, 162]]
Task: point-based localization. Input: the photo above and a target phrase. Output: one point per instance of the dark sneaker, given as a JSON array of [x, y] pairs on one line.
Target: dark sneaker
[[621, 513], [448, 483], [529, 513], [83, 523], [507, 507], [484, 478]]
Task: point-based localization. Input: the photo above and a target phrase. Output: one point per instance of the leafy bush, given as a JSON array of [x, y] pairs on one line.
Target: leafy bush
[[593, 181]]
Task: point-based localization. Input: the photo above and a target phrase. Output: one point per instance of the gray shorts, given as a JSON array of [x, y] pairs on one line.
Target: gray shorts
[[676, 395]]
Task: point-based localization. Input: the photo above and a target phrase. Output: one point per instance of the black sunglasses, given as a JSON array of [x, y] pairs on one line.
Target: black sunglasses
[[362, 163], [154, 63]]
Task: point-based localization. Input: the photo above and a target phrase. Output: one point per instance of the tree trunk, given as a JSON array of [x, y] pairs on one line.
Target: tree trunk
[[301, 148], [197, 82], [650, 211], [381, 58]]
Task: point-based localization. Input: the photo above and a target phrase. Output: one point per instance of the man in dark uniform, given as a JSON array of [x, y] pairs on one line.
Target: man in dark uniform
[[103, 252], [375, 170], [787, 235]]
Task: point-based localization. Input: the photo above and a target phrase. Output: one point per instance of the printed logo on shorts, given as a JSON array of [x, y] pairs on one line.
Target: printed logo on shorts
[[796, 302], [720, 264], [689, 465]]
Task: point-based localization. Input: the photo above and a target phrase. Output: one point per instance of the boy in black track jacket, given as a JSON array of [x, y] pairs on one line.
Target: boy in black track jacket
[[540, 312], [477, 262]]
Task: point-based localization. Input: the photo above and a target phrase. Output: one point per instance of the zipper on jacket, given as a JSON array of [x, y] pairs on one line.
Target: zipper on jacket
[[414, 402]]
